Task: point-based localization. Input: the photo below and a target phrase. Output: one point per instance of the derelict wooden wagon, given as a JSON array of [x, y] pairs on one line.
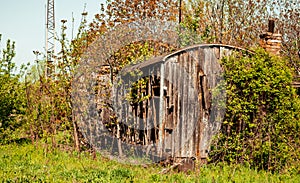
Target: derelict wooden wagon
[[170, 106]]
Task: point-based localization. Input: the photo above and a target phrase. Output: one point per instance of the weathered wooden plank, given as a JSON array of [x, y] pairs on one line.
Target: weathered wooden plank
[[190, 105], [161, 108], [296, 84], [148, 110], [180, 91], [175, 108], [194, 101], [179, 110]]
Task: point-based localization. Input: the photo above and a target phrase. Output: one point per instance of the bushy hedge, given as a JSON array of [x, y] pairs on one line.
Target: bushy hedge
[[12, 94], [262, 122]]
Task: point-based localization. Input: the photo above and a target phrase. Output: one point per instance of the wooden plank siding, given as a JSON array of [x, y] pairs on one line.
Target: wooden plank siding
[[178, 116]]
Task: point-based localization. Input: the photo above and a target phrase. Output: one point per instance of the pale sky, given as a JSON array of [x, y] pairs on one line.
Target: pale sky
[[23, 21]]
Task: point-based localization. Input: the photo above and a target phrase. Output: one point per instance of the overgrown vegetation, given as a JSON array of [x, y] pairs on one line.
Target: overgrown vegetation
[[33, 164], [240, 22], [12, 95], [262, 123]]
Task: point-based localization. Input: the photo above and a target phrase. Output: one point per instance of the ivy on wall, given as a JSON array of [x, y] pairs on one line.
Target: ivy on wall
[[262, 122]]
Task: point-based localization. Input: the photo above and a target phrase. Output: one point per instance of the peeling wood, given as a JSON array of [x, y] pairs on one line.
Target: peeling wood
[[177, 115]]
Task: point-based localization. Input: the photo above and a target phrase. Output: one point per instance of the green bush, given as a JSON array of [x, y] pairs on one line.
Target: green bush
[[261, 126], [12, 95]]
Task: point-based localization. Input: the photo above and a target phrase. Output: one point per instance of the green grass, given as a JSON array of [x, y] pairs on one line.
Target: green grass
[[25, 163]]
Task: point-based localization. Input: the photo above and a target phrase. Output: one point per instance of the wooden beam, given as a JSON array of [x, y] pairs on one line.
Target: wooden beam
[[296, 84]]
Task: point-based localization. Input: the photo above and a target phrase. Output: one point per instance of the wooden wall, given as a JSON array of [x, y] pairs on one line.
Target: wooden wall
[[176, 110]]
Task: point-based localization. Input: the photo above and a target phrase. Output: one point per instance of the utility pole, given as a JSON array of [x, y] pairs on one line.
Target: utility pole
[[180, 11], [50, 38]]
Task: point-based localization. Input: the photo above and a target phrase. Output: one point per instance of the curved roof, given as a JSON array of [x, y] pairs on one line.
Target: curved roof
[[164, 58]]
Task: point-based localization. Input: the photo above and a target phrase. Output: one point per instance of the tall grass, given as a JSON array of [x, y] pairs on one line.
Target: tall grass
[[27, 163]]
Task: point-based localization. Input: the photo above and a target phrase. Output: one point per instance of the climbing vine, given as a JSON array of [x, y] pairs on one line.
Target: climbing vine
[[261, 126]]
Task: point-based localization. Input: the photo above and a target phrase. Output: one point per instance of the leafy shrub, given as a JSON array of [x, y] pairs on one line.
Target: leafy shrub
[[261, 126], [12, 95]]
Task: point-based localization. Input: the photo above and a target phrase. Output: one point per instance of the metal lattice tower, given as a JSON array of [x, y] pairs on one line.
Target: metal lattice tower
[[50, 38]]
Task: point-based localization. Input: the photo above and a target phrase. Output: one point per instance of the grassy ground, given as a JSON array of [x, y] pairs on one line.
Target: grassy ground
[[25, 163]]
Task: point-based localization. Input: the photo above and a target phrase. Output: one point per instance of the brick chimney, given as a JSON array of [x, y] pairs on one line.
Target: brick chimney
[[271, 41]]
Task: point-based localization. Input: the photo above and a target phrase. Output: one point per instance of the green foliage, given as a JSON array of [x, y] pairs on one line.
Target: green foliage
[[261, 128], [27, 163], [240, 22], [262, 123], [49, 107], [12, 98], [192, 29]]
